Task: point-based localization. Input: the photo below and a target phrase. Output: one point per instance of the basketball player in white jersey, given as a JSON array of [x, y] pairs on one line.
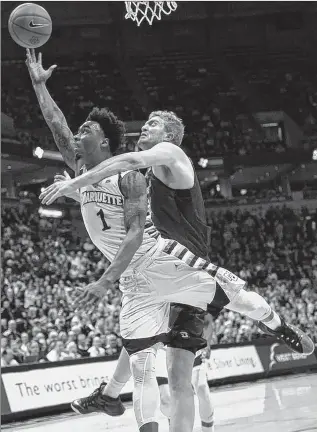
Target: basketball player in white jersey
[[199, 381], [114, 212]]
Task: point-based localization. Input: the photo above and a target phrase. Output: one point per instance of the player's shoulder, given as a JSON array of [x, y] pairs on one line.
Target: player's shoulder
[[133, 183], [173, 149]]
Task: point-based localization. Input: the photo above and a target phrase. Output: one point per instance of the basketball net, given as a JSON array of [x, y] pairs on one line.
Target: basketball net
[[148, 10]]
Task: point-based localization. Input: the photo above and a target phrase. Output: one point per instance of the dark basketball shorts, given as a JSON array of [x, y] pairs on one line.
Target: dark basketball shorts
[[133, 346]]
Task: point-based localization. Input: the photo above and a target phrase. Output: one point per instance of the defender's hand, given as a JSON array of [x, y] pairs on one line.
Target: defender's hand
[[37, 73], [56, 190], [61, 177]]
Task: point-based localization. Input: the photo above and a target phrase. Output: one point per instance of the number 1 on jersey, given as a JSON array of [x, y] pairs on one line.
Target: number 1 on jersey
[[105, 226]]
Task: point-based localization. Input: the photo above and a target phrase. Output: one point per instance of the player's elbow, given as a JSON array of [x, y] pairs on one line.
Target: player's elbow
[[134, 160]]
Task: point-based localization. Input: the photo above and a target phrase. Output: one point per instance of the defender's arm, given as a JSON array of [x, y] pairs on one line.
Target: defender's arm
[[166, 154]]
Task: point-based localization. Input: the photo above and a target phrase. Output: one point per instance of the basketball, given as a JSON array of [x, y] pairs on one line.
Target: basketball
[[30, 26]]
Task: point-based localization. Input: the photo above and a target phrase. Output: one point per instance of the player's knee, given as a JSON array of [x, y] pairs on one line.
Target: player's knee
[[166, 410], [179, 382], [202, 389], [165, 400], [251, 304], [142, 369]]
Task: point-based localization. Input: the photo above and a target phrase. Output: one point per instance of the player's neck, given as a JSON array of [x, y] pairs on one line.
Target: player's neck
[[95, 159]]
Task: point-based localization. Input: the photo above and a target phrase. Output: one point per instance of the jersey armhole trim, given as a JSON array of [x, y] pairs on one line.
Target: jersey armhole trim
[[119, 182]]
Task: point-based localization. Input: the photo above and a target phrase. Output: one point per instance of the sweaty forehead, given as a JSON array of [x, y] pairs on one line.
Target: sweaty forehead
[[155, 119], [92, 125]]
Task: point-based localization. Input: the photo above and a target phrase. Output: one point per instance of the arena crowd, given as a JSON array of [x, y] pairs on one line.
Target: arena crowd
[[43, 267], [174, 82]]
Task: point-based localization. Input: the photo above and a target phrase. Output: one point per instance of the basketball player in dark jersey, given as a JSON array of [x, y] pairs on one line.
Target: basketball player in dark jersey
[[178, 212]]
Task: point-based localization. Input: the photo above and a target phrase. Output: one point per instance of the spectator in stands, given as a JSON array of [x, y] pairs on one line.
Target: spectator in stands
[[4, 343], [7, 358], [72, 352], [111, 345], [6, 311], [82, 346], [274, 251], [56, 351], [12, 332], [96, 349], [15, 346]]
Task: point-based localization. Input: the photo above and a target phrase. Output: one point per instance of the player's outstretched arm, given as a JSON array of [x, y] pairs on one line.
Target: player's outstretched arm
[[164, 153], [133, 187], [53, 115]]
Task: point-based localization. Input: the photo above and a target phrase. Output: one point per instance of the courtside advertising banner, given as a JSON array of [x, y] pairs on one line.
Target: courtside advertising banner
[[233, 362], [279, 357], [53, 386], [47, 387]]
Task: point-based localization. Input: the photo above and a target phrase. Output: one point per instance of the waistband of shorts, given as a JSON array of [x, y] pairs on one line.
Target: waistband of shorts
[[143, 262]]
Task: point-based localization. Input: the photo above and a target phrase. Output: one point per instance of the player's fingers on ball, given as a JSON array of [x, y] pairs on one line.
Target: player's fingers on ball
[[40, 58]]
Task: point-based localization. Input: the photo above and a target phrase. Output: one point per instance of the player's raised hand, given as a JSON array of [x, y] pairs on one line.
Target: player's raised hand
[[61, 177], [37, 73]]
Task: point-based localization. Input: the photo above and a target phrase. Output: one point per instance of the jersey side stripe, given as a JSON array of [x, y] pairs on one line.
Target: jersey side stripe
[[181, 252]]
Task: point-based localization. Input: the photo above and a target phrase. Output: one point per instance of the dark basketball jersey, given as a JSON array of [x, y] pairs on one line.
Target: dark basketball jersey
[[179, 214]]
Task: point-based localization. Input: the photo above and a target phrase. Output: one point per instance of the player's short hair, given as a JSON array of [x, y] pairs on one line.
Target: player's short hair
[[112, 127], [172, 123]]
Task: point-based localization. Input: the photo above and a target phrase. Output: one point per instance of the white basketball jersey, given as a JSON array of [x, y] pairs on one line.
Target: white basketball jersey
[[103, 215]]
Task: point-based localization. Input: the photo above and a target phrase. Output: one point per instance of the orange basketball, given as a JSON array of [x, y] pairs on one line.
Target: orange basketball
[[30, 26]]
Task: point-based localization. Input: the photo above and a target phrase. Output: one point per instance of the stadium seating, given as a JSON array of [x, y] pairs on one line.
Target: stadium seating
[[41, 272]]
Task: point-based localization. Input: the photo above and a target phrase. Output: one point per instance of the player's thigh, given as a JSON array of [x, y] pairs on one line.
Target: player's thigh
[[161, 367], [179, 367], [175, 281], [143, 316]]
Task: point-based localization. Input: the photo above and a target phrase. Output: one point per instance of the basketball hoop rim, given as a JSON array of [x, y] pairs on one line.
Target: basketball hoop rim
[[139, 11]]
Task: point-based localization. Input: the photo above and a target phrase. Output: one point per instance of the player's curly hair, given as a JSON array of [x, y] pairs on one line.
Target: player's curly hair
[[112, 127], [172, 124]]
